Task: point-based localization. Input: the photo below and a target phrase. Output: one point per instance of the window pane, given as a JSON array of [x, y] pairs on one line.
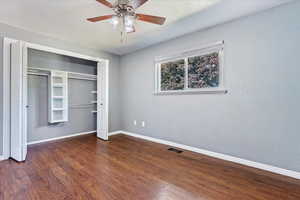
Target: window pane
[[204, 71], [172, 75]]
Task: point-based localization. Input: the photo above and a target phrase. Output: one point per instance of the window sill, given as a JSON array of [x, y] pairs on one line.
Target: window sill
[[193, 92]]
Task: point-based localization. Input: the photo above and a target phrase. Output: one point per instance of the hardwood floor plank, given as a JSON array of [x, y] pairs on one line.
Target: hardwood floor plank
[[129, 168]]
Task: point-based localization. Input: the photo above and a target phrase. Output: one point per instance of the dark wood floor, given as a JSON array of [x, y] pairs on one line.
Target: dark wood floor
[[130, 168]]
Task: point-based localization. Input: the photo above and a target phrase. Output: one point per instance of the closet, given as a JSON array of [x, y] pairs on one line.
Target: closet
[[62, 96], [55, 94]]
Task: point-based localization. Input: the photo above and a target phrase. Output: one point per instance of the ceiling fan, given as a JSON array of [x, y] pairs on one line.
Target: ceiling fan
[[125, 16]]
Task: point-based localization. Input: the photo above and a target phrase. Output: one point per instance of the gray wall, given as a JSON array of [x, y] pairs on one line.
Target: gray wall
[[80, 118], [42, 59], [258, 120], [114, 106]]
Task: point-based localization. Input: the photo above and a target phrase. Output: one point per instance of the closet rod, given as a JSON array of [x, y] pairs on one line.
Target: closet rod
[[72, 74], [70, 77], [88, 79], [37, 74], [82, 105]]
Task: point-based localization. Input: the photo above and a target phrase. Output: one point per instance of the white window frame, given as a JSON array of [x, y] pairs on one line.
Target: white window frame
[[204, 50]]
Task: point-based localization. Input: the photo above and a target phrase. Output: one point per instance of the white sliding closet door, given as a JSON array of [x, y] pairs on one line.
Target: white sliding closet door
[[18, 103], [102, 102]]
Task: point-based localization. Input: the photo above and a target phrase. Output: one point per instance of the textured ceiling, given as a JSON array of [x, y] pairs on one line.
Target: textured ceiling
[[66, 20]]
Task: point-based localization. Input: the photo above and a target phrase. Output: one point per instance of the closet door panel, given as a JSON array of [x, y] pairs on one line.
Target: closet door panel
[[18, 104], [102, 103]]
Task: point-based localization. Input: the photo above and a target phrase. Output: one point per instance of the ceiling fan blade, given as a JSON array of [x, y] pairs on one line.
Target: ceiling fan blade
[[151, 19], [106, 3], [100, 18], [137, 3]]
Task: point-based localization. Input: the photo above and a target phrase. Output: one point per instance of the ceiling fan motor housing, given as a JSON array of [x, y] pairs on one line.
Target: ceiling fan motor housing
[[122, 2], [123, 8]]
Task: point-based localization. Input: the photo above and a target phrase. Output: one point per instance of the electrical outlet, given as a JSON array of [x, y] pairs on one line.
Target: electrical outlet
[[134, 122], [143, 124]]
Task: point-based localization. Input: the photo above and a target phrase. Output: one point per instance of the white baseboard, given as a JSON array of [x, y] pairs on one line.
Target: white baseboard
[[2, 158], [59, 138], [262, 166], [115, 133]]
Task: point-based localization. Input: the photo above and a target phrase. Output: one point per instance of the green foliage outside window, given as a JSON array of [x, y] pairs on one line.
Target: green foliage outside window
[[172, 75], [203, 71]]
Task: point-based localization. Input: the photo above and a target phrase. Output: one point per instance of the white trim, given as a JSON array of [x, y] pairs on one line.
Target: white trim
[[59, 138], [188, 91], [61, 52], [6, 96], [249, 163], [115, 133], [24, 98], [2, 158]]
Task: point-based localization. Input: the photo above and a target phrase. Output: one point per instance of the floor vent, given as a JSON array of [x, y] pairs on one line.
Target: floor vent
[[175, 150]]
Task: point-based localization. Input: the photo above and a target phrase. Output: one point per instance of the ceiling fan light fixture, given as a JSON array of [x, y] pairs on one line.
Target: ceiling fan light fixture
[[129, 29], [125, 16], [129, 20], [115, 21]]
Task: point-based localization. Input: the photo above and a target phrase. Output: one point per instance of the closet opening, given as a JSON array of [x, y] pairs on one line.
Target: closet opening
[[55, 94]]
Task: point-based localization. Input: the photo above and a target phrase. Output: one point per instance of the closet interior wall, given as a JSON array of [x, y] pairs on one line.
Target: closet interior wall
[[80, 97]]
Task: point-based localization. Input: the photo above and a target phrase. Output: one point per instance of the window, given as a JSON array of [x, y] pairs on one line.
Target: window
[[198, 70], [172, 75]]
